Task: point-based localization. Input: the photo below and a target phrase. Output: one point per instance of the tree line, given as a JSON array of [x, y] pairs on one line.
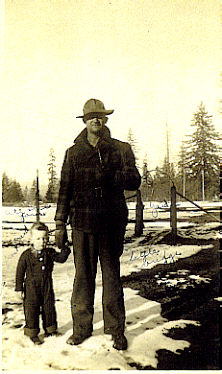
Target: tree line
[[195, 175], [12, 191]]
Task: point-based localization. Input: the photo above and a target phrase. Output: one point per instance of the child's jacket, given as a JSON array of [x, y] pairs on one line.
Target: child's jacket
[[34, 274]]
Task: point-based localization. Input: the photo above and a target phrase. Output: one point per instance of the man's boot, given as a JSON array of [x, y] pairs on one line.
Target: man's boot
[[120, 342], [76, 340]]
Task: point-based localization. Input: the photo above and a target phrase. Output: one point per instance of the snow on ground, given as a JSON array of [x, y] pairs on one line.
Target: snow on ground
[[145, 332], [152, 210], [160, 210], [146, 257], [176, 279], [145, 327]]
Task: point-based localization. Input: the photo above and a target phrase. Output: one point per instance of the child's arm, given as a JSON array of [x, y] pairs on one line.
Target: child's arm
[[60, 256], [20, 273]]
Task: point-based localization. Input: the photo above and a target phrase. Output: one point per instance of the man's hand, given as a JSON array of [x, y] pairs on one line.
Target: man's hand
[[60, 234]]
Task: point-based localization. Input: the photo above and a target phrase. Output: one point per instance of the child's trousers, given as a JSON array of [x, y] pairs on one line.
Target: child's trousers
[[39, 299]]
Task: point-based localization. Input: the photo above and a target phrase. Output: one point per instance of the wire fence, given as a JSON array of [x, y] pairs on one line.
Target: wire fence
[[25, 219], [140, 207]]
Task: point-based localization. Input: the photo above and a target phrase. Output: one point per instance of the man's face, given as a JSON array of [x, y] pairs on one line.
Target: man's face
[[39, 239], [95, 124]]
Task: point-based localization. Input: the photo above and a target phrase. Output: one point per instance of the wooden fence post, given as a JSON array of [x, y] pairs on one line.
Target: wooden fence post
[[37, 198], [173, 215], [139, 214]]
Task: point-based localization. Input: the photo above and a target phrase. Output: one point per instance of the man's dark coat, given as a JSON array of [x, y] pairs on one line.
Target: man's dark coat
[[93, 180]]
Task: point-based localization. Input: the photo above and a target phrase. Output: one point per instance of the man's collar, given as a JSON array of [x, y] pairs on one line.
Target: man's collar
[[82, 137]]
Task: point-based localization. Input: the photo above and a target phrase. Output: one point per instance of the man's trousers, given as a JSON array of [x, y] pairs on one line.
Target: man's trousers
[[87, 249]]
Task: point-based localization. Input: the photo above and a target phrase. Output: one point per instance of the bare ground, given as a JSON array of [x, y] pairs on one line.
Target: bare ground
[[196, 302]]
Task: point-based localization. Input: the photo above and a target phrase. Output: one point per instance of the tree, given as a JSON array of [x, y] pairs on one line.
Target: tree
[[51, 194], [163, 178], [15, 192], [202, 158], [5, 187], [11, 190], [32, 192], [26, 193], [220, 99], [182, 173], [132, 141], [147, 182]]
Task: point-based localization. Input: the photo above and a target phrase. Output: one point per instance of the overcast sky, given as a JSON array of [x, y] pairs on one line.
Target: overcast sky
[[151, 61]]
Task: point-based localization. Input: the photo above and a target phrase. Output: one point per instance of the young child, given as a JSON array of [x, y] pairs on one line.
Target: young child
[[34, 281]]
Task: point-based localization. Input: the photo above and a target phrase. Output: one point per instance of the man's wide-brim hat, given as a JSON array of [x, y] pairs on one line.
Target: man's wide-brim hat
[[95, 106]]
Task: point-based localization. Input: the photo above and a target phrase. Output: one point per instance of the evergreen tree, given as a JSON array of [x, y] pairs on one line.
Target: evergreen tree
[[184, 181], [5, 187], [26, 193], [32, 192], [220, 99], [11, 190], [51, 194], [15, 192], [163, 178], [182, 172], [202, 158], [132, 141], [147, 182]]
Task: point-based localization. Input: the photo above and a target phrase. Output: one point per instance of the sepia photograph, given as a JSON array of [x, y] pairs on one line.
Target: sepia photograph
[[111, 144]]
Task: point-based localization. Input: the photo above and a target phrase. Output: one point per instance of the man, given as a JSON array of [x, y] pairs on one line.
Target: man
[[95, 172]]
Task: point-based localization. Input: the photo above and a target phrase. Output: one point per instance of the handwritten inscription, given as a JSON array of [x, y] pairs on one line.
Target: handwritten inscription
[[154, 256], [157, 206], [31, 212]]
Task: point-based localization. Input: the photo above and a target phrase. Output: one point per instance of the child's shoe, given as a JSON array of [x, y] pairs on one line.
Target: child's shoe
[[54, 333], [36, 340]]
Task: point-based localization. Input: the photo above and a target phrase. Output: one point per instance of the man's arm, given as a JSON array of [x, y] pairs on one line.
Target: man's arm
[[128, 177], [65, 190], [63, 204]]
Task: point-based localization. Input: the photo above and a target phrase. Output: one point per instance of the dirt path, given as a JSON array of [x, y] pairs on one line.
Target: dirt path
[[186, 299]]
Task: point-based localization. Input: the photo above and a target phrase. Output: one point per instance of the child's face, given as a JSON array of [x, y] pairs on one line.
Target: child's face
[[39, 239]]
